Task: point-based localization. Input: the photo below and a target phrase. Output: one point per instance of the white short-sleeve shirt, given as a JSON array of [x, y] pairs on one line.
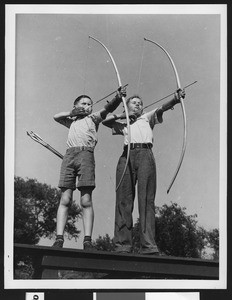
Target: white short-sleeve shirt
[[140, 130], [83, 132]]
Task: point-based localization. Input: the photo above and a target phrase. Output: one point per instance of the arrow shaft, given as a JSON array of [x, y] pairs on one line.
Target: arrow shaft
[[185, 87], [108, 95]]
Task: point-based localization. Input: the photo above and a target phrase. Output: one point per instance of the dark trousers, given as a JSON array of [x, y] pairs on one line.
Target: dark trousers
[[141, 170]]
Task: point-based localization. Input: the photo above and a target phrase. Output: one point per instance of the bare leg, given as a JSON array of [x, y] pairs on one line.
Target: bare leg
[[62, 212], [87, 209]]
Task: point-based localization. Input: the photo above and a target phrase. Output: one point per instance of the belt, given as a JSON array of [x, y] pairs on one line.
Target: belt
[[80, 148], [139, 146]]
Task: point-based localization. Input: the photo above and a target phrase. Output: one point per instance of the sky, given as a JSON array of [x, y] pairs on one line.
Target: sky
[[55, 61]]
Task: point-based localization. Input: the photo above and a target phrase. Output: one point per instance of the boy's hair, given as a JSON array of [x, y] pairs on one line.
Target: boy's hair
[[80, 97], [132, 97]]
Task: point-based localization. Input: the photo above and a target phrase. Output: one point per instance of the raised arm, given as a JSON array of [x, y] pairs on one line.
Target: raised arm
[[61, 116], [110, 121], [114, 103], [65, 118], [112, 118], [168, 105]]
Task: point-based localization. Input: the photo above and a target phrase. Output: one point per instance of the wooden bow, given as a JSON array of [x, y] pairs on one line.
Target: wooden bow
[[183, 112], [125, 107]]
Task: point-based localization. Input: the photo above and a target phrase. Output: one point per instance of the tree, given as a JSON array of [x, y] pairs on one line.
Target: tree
[[35, 210], [104, 243], [35, 207], [213, 240], [177, 233]]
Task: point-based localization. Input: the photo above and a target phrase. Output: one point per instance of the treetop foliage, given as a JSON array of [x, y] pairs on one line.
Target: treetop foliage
[[35, 207]]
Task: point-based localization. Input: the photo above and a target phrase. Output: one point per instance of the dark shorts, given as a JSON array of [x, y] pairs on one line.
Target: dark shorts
[[78, 162]]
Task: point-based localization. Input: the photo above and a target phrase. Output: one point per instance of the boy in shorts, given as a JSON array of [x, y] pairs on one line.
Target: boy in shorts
[[79, 162]]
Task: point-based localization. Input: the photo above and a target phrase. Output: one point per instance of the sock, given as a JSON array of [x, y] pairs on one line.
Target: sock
[[87, 238], [59, 237]]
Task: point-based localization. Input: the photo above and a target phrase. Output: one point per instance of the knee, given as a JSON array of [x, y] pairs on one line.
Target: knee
[[86, 201], [65, 200]]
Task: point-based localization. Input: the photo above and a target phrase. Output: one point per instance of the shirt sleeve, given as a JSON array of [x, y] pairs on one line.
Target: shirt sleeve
[[153, 118], [66, 122]]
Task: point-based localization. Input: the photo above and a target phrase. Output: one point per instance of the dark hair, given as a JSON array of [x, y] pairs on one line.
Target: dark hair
[[80, 97], [132, 97]]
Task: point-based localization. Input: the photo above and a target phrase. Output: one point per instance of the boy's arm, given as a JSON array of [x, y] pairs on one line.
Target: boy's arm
[[110, 121], [61, 115], [114, 103], [168, 105], [63, 118]]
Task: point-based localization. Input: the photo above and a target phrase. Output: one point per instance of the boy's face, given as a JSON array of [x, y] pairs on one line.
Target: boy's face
[[135, 105], [85, 103]]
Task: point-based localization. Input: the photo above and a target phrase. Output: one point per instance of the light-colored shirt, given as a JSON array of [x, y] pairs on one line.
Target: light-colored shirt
[[83, 132], [140, 130]]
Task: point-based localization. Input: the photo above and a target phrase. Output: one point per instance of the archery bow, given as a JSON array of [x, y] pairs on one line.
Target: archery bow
[[183, 112], [125, 107]]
